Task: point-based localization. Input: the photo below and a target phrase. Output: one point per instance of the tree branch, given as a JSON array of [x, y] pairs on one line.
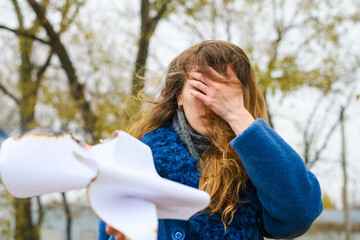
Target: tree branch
[[25, 34], [326, 141], [35, 27], [161, 12], [2, 87], [18, 14], [331, 131], [42, 69], [307, 139], [66, 21]]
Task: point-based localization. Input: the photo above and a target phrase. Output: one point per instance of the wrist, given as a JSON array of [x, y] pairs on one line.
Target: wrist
[[241, 122]]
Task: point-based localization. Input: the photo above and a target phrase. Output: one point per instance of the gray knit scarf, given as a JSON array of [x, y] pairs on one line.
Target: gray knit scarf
[[194, 142]]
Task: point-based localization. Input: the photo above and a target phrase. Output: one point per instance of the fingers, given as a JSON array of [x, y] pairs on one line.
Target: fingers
[[218, 75], [201, 82], [201, 96], [198, 77], [199, 86], [206, 86], [202, 87], [223, 95], [112, 231], [230, 77]]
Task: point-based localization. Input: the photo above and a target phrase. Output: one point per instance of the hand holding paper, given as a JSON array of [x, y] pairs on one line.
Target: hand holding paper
[[124, 188]]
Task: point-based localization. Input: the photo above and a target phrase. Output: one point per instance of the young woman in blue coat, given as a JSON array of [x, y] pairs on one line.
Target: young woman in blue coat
[[208, 129]]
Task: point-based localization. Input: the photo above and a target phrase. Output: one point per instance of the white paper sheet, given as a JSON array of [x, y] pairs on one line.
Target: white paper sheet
[[124, 188]]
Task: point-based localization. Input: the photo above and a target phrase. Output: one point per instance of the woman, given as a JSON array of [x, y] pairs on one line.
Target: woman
[[208, 130]]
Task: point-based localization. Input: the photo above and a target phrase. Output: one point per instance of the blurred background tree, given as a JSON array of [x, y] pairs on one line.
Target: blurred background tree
[[26, 90]]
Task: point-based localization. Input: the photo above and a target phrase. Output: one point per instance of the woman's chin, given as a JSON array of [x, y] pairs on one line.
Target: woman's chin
[[206, 131]]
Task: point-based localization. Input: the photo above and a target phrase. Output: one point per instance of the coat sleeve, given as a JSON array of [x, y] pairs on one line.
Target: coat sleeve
[[290, 195], [102, 235]]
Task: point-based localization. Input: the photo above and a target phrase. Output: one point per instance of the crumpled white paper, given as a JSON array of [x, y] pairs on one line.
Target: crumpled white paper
[[123, 186]]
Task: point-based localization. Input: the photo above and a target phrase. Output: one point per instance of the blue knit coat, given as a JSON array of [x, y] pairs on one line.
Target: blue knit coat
[[282, 198]]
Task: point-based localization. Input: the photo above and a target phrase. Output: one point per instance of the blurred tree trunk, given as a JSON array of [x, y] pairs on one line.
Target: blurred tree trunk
[[148, 26], [26, 98], [25, 229], [77, 89], [343, 165], [68, 216]]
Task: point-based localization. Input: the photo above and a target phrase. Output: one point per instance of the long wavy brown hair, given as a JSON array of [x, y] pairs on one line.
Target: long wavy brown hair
[[222, 173]]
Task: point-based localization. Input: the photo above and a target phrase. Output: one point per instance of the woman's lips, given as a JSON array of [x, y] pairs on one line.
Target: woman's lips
[[207, 121]]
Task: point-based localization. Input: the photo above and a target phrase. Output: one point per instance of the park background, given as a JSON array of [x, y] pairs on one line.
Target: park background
[[70, 65]]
